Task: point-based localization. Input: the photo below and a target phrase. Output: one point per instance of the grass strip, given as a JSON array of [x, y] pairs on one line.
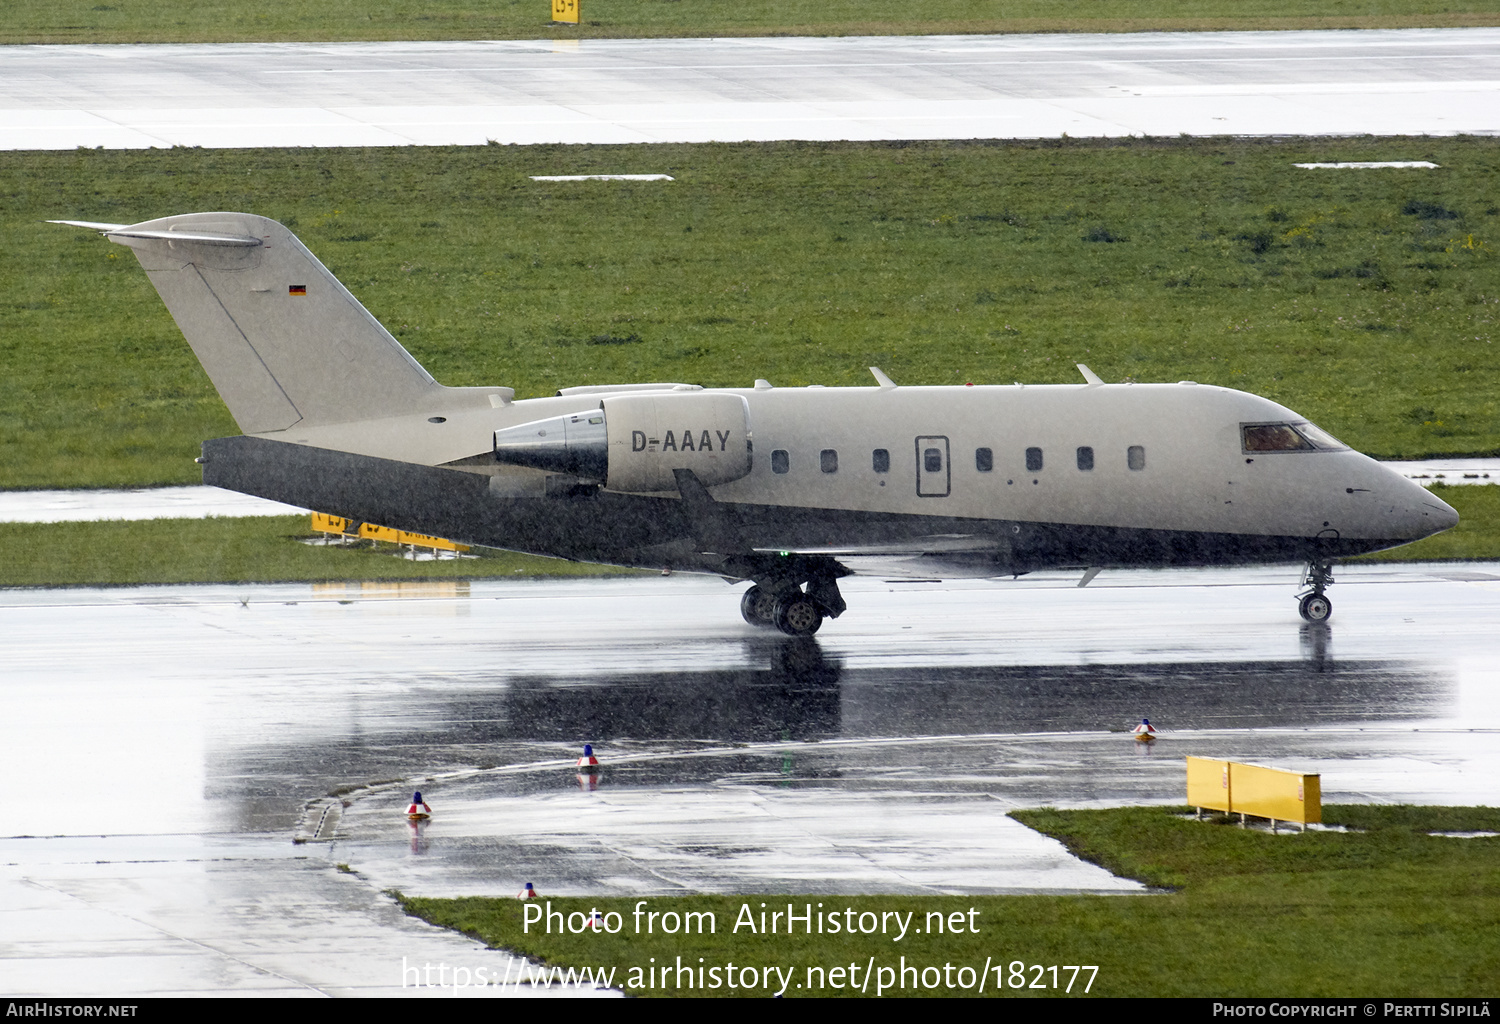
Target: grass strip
[[206, 21], [1365, 300], [1388, 910], [231, 550]]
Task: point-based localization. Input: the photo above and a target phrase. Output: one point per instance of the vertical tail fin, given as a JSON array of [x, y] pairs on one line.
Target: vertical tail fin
[[282, 340]]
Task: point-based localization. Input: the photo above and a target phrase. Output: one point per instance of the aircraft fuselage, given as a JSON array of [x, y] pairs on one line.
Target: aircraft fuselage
[[987, 479]]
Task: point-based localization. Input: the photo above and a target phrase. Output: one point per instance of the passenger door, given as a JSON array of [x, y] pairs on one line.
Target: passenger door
[[934, 476]]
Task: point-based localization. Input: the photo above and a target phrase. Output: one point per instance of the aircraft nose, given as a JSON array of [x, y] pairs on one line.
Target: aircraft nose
[[1415, 511], [1426, 513], [1441, 515]]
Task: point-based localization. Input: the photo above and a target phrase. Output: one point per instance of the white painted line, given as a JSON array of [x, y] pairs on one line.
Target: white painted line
[[1363, 164], [602, 177]]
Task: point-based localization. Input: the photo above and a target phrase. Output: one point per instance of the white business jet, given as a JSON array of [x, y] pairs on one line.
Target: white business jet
[[787, 488]]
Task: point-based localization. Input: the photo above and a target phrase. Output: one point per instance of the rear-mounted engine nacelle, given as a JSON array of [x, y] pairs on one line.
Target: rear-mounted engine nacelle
[[634, 442]]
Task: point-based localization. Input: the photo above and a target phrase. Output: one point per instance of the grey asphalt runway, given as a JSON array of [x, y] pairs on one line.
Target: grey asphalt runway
[[1400, 82], [165, 746]]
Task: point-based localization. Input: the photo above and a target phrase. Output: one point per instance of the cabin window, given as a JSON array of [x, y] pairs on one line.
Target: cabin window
[[780, 461], [828, 460], [932, 460], [1085, 459], [880, 460], [1033, 460], [1135, 457], [984, 460], [1274, 437]]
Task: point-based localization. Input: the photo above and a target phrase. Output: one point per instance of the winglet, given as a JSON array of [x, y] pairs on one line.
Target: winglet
[[881, 378], [1090, 376]]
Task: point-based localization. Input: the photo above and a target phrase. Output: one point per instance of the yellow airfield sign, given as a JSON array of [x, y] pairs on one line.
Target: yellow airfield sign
[[567, 10], [1250, 789]]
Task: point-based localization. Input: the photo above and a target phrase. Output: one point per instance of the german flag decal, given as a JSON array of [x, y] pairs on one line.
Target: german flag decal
[[296, 289]]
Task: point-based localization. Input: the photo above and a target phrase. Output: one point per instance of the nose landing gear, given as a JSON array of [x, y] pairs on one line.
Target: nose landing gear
[[1314, 606]]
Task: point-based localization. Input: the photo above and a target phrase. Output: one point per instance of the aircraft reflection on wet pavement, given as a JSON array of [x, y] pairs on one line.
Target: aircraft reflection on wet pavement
[[797, 692], [801, 771], [278, 694], [791, 689]]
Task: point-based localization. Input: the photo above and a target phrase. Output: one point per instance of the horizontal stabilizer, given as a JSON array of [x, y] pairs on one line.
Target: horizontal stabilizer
[[90, 224], [126, 231]]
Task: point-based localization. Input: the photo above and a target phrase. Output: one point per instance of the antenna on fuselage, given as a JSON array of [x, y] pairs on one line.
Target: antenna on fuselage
[[881, 378], [1089, 375]]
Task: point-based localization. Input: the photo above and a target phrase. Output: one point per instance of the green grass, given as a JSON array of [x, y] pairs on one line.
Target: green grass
[[1364, 300], [126, 21], [1386, 911], [251, 550], [1477, 535]]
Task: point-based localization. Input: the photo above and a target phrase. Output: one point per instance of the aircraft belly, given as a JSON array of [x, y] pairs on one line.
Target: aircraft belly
[[592, 525], [990, 547]]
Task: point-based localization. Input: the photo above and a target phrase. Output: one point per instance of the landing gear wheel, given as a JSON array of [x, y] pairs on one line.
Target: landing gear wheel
[[1315, 608], [798, 615], [758, 606]]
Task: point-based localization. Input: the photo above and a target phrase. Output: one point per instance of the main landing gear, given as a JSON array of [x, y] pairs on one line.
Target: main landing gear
[[791, 609], [1314, 605]]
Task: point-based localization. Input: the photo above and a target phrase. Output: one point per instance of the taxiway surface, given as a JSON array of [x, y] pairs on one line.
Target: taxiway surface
[[168, 743], [1398, 82]]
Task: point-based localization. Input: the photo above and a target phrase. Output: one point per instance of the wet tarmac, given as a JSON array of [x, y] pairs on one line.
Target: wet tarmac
[[167, 744], [135, 503], [1399, 82], [1450, 471]]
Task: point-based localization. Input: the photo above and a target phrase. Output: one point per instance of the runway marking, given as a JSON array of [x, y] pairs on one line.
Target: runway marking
[[587, 177], [1364, 165]]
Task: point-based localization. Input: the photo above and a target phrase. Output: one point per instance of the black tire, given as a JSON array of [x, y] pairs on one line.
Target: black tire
[[798, 615], [1315, 608], [758, 606]]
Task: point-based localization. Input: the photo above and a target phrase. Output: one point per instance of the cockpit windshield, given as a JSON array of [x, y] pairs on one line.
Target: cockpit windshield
[[1287, 437], [1320, 437]]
